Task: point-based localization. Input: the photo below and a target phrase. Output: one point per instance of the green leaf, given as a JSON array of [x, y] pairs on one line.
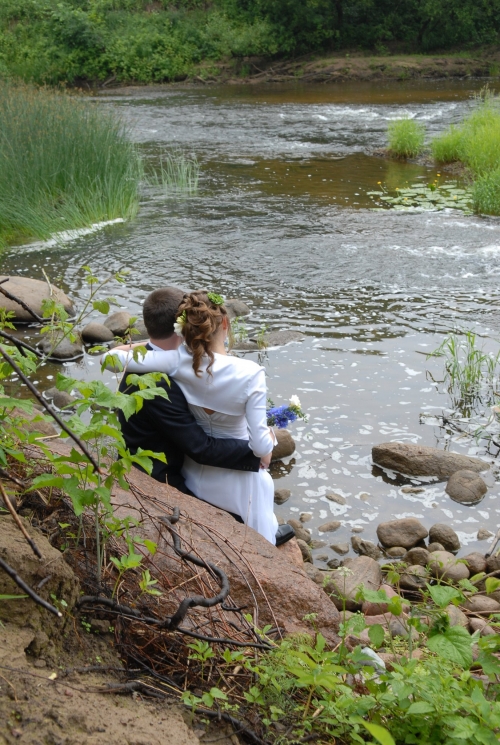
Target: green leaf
[[442, 595], [454, 644], [381, 735], [12, 597], [376, 634], [151, 546], [101, 305], [420, 707], [492, 584]]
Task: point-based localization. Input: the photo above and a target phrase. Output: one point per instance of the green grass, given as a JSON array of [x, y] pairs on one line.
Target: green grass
[[64, 164], [486, 193], [178, 173], [406, 138]]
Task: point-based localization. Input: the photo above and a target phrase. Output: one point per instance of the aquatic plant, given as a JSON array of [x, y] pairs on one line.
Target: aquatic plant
[[64, 163], [431, 197], [406, 137], [177, 173]]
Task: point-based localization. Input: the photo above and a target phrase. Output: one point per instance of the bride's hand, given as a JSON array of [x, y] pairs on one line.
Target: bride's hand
[[265, 462]]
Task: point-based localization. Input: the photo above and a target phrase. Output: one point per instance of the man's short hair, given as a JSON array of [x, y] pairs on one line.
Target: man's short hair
[[160, 311]]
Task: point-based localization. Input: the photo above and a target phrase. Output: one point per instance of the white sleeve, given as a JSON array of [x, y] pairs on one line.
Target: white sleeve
[[153, 361], [260, 438]]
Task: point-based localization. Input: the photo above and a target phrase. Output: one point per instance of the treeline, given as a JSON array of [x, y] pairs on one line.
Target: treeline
[[53, 41]]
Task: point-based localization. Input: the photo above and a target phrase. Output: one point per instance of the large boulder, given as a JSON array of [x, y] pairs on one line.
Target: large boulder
[[345, 581], [285, 446], [32, 292], [280, 338], [95, 332], [418, 460], [406, 532], [118, 323], [236, 308], [466, 487]]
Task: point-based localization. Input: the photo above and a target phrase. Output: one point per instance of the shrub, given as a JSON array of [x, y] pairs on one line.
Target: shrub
[[447, 147], [406, 137], [486, 193], [64, 163]]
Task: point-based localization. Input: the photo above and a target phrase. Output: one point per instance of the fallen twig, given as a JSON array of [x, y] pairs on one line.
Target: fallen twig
[[18, 522], [27, 589]]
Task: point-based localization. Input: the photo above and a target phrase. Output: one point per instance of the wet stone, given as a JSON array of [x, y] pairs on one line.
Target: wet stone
[[96, 332], [321, 557], [61, 399], [317, 543], [412, 489], [59, 348], [434, 546], [396, 552], [476, 562], [333, 563], [280, 338], [285, 446], [357, 529], [305, 517], [340, 548], [305, 551], [417, 556], [338, 498], [483, 534], [281, 495], [236, 308], [118, 323], [445, 565], [365, 548], [329, 527], [300, 531], [466, 487], [406, 532], [446, 536]]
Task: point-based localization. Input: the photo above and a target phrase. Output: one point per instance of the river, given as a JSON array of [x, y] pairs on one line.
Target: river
[[282, 220]]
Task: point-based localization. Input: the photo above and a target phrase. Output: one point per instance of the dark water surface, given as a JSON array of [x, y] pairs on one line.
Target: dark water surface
[[282, 220]]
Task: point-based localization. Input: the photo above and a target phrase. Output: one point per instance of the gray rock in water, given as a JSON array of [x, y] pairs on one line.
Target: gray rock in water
[[406, 532], [305, 517], [365, 548], [434, 546], [493, 563], [338, 498], [305, 551], [466, 487], [118, 322], [333, 563], [483, 534], [59, 348], [329, 527], [417, 460], [61, 399], [476, 562], [236, 308], [245, 346], [300, 532], [344, 582], [285, 446], [412, 489], [357, 529], [33, 292], [317, 543], [321, 557], [340, 548], [446, 566], [413, 578], [456, 616], [281, 495], [280, 338], [418, 556], [96, 332], [446, 536]]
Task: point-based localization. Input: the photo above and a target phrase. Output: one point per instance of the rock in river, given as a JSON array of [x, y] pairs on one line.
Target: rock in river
[[417, 460], [365, 548], [418, 556], [466, 487], [406, 532], [476, 562], [118, 323], [285, 446], [236, 308], [95, 332], [33, 292], [329, 527], [59, 348], [280, 338], [281, 495], [446, 536]]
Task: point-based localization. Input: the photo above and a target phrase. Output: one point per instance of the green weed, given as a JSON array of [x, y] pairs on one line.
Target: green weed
[[486, 193], [177, 173], [64, 163], [406, 137], [446, 147]]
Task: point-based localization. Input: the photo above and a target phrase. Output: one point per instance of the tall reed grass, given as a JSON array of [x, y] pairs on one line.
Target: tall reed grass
[[177, 173], [64, 163], [406, 137], [476, 144]]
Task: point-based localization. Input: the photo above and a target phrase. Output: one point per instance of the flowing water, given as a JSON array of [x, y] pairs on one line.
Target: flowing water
[[282, 220]]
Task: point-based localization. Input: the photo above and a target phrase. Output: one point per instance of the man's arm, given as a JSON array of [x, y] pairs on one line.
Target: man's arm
[[174, 418]]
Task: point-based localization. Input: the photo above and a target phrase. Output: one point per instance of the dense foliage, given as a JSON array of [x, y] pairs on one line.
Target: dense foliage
[[50, 41], [63, 164]]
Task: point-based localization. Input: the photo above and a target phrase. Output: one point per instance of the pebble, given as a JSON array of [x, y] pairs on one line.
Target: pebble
[[476, 562], [414, 578], [329, 527], [333, 563], [446, 536], [305, 551], [443, 564], [357, 529], [321, 557], [305, 517], [281, 495], [340, 548], [481, 625], [417, 555], [317, 543], [432, 547], [396, 552], [300, 532], [336, 498], [482, 604], [483, 534], [365, 548], [412, 489], [364, 496]]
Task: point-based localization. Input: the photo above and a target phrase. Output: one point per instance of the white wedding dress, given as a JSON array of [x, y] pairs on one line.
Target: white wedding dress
[[236, 393]]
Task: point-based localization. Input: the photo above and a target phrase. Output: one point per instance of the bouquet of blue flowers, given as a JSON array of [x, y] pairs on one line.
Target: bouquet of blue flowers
[[281, 416]]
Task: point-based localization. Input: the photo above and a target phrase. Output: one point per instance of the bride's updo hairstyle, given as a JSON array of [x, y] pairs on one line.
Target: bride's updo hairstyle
[[202, 319]]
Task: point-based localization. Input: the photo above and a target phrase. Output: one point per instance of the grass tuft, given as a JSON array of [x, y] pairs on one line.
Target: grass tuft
[[486, 193], [64, 164], [406, 137], [178, 173]]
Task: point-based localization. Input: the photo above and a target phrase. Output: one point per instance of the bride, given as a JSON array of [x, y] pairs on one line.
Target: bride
[[227, 396]]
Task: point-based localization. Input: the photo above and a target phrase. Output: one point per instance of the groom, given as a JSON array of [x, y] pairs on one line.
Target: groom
[[168, 426]]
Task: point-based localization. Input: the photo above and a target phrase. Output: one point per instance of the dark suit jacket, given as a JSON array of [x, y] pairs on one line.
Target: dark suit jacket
[[169, 427]]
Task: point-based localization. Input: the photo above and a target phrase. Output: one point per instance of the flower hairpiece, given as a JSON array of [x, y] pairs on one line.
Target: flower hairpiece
[[215, 299], [179, 323]]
